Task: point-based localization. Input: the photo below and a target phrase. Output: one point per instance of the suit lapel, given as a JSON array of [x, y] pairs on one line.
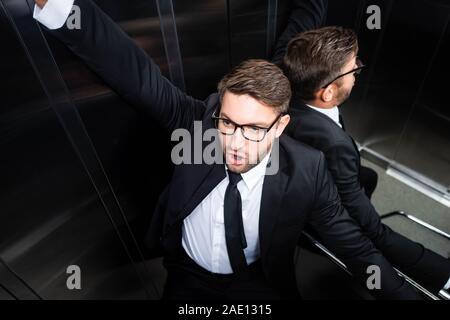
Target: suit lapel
[[341, 120], [211, 178], [274, 187], [197, 181]]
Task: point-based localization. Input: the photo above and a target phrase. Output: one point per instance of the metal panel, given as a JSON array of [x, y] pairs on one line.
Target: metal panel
[[397, 107], [51, 214], [202, 34], [425, 144]]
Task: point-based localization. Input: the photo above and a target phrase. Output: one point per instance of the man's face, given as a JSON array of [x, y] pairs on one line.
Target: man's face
[[240, 153], [345, 84]]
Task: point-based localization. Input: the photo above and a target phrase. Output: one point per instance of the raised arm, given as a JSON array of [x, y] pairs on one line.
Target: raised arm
[[305, 15], [340, 234], [109, 52]]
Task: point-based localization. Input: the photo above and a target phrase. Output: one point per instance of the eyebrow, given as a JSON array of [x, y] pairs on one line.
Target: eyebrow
[[257, 124]]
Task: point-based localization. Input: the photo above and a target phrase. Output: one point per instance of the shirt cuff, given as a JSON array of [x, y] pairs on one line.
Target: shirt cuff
[[447, 286], [54, 14]]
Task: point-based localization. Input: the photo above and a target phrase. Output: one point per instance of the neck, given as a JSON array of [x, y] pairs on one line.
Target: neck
[[320, 104]]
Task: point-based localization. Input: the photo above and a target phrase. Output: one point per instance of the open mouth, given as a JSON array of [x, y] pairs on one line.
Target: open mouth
[[235, 159]]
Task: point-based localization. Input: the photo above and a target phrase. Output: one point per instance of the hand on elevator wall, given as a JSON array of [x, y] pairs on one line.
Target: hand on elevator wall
[[40, 3]]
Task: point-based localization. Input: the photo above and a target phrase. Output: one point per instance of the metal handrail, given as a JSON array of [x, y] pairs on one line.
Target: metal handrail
[[443, 294], [418, 221], [342, 265]]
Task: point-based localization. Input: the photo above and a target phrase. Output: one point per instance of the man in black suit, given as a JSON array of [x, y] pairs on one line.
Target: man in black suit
[[321, 64], [228, 230]]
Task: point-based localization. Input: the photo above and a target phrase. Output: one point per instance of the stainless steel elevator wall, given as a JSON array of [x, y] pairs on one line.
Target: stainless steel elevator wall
[[81, 170], [398, 108]]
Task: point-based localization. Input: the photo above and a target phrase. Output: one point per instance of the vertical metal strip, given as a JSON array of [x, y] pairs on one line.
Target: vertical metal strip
[[271, 33], [21, 283], [372, 67], [171, 44], [422, 85], [229, 35], [60, 101], [360, 16]]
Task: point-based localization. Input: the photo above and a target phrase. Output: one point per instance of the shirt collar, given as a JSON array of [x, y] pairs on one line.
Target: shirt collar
[[332, 113], [252, 176]]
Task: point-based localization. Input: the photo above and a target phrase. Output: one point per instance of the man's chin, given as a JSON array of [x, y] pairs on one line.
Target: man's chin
[[240, 168]]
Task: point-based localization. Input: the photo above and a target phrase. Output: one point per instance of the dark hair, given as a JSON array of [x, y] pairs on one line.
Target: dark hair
[[261, 80], [314, 58]]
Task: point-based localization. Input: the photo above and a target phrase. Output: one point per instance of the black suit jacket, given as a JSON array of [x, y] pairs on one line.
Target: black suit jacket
[[343, 161], [319, 131], [302, 190]]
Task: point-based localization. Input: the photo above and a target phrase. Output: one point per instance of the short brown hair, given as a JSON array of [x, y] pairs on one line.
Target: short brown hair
[[314, 58], [261, 80]]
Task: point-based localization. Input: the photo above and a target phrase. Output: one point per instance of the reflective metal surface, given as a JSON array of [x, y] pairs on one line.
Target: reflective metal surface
[[81, 170], [398, 108], [67, 196], [424, 292], [78, 163]]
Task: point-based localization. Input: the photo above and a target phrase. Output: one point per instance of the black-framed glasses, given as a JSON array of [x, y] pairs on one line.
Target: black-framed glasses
[[249, 132], [356, 71]]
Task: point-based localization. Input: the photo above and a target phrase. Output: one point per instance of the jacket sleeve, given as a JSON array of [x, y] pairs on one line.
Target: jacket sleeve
[[109, 52], [423, 265], [343, 164], [305, 15], [341, 234]]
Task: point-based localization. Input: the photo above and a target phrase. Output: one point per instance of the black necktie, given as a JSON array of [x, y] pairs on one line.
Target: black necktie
[[341, 121], [234, 227]]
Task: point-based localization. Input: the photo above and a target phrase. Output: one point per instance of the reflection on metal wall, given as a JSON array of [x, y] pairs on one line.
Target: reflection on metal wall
[[77, 162], [398, 108], [59, 207]]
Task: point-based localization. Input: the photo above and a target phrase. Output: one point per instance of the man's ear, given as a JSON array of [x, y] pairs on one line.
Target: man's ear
[[327, 94], [282, 124]]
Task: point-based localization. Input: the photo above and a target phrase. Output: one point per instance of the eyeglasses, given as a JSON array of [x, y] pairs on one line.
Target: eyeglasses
[[249, 132], [356, 71]]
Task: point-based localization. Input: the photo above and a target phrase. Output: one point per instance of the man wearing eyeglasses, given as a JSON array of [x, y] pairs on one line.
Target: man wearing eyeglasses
[[228, 231], [322, 65]]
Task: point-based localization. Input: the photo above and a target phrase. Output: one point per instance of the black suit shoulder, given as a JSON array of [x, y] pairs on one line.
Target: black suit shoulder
[[302, 164], [316, 129], [298, 152]]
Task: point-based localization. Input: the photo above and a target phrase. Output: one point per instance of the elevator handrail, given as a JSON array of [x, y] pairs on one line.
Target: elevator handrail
[[442, 294], [418, 221]]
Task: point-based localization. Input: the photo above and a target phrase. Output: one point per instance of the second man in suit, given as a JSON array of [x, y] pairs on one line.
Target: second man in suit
[[321, 65]]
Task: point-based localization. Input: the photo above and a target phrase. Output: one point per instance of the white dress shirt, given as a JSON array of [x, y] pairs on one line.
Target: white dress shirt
[[54, 14], [204, 229], [332, 113]]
